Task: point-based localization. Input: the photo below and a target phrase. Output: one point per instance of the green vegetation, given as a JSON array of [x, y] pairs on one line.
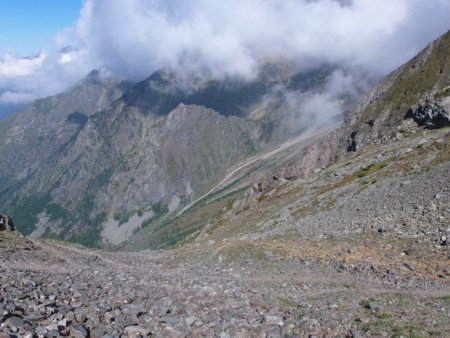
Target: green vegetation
[[416, 79], [350, 286], [241, 252], [43, 106], [56, 212], [411, 330], [124, 216], [122, 165], [26, 211], [159, 232], [90, 234], [443, 93], [101, 179], [366, 303], [159, 210], [385, 315], [370, 169]]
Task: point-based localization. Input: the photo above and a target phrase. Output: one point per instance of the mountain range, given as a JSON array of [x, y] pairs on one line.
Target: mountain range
[[106, 158], [109, 161], [274, 223]]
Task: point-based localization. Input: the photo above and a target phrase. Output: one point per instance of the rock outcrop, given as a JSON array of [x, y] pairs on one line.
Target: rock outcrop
[[431, 113], [6, 223]]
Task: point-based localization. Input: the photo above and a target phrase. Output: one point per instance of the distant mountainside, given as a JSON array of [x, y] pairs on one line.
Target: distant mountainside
[[105, 159], [110, 163]]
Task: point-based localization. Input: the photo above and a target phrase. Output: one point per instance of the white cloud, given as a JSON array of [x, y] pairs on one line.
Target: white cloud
[[136, 37], [25, 79], [133, 38], [67, 56], [328, 102], [66, 37], [12, 66]]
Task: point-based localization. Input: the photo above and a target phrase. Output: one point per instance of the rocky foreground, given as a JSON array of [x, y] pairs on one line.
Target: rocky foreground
[[361, 249], [50, 289]]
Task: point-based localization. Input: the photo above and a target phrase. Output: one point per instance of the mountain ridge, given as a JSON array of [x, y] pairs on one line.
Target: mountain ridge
[[133, 151]]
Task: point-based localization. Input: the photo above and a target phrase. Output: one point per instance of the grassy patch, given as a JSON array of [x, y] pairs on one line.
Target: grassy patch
[[366, 303], [442, 150], [167, 232], [443, 93], [245, 251], [411, 330], [371, 168], [361, 173], [350, 286], [435, 333], [385, 315], [375, 328]]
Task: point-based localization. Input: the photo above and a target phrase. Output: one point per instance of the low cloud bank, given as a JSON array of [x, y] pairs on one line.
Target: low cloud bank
[[133, 38]]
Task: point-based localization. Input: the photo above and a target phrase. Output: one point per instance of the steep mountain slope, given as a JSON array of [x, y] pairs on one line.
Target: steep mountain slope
[[415, 94], [423, 80], [341, 183], [98, 166], [31, 136]]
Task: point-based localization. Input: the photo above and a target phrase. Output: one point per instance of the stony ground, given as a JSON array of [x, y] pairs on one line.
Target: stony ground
[[50, 289], [361, 249]]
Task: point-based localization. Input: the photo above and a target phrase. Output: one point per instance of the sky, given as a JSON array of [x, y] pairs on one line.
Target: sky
[[131, 39], [27, 26]]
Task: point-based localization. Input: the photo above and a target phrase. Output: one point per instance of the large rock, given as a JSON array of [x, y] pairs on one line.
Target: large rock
[[430, 113], [6, 223]]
